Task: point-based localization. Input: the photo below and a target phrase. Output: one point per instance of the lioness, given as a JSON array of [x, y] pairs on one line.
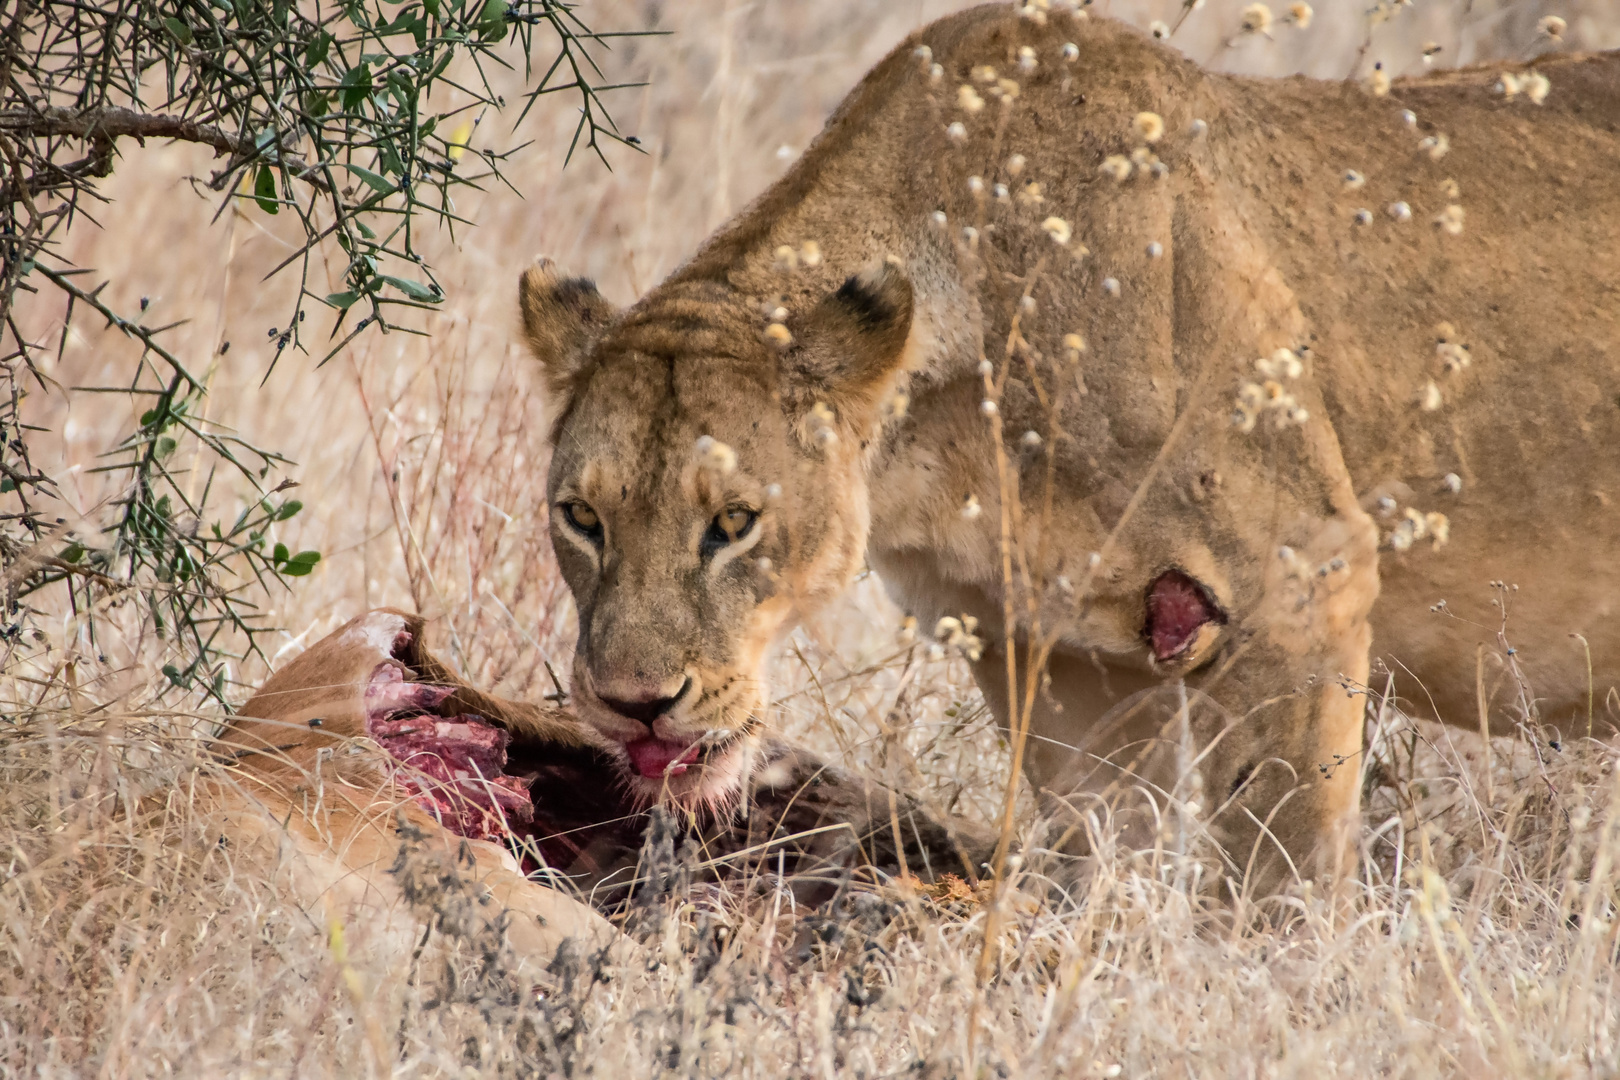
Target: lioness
[[1273, 367]]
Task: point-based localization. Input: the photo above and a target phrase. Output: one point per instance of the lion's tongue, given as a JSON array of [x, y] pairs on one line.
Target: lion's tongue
[[652, 756]]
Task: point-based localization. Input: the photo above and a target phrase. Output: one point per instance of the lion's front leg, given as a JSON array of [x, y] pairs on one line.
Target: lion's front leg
[[1248, 737]]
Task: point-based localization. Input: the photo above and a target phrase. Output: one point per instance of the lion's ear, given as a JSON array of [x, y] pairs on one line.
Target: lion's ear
[[561, 316], [853, 342]]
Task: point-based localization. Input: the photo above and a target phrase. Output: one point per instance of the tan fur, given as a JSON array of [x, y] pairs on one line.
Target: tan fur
[[1260, 251], [305, 777]]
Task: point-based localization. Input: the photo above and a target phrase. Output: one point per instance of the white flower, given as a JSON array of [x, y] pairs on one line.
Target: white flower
[[1149, 125], [1057, 229]]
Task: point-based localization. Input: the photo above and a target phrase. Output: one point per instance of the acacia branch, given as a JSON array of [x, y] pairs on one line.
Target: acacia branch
[[105, 123]]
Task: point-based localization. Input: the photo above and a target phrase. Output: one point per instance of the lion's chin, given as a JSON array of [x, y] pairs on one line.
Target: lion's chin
[[710, 787]]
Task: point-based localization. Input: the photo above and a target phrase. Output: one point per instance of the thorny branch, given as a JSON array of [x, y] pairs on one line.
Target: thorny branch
[[325, 110]]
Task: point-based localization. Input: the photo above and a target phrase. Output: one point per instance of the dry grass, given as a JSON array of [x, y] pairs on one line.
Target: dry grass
[[1480, 941]]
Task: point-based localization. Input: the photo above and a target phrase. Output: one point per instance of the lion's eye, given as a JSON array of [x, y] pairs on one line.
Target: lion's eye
[[583, 519], [729, 525]]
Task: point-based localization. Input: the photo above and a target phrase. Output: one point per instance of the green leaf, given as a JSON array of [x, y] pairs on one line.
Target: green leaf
[[174, 675], [288, 509], [264, 190], [413, 289], [343, 301], [319, 47], [377, 182], [356, 86], [73, 553], [181, 32], [301, 564], [279, 555], [492, 22]]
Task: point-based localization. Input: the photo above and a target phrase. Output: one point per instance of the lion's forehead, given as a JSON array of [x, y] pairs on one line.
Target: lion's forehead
[[641, 424]]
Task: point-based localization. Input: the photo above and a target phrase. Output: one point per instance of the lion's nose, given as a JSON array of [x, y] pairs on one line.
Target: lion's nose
[[648, 708]]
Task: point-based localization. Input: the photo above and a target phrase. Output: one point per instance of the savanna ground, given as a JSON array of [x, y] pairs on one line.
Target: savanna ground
[[1479, 940]]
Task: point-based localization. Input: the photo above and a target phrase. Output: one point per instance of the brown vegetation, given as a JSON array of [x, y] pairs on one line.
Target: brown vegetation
[[1479, 939]]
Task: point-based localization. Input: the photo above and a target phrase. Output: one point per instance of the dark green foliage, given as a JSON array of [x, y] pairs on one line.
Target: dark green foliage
[[324, 111]]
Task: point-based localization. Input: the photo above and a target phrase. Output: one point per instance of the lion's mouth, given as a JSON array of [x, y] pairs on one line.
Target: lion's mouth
[[656, 758]]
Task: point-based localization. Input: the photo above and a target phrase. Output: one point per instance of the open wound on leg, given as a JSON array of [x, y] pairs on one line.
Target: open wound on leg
[[455, 766], [1178, 606]]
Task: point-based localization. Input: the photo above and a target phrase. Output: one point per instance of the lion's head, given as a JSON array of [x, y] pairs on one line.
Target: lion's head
[[706, 488]]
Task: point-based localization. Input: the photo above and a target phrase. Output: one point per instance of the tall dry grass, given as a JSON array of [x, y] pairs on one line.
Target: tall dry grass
[[1480, 939]]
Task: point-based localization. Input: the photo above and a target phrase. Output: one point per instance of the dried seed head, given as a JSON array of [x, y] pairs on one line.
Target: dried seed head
[[1026, 305], [1400, 211], [1445, 331], [779, 314], [787, 260], [1031, 440], [1031, 195], [936, 75], [1353, 180], [908, 630], [968, 99], [898, 405], [956, 132], [778, 335], [1378, 81], [1159, 170], [1301, 15], [1149, 126], [1451, 219], [1026, 60], [975, 186], [714, 456], [1409, 118], [971, 508], [983, 73], [1110, 286], [1362, 216], [1507, 84], [1154, 249], [1000, 192], [1198, 128], [1071, 51], [1536, 87], [810, 253], [1007, 89], [1439, 527], [1015, 164], [1451, 482], [1449, 188], [1436, 146], [986, 368], [924, 56], [1075, 344], [970, 236], [938, 219], [1256, 19], [1453, 357], [1552, 26], [1429, 399], [1117, 166], [1057, 229], [989, 408], [1159, 29]]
